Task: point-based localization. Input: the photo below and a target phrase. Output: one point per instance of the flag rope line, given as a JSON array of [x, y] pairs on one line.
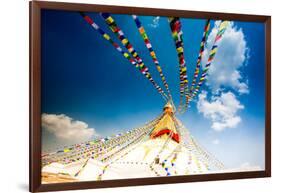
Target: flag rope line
[[198, 62], [177, 35], [151, 52], [126, 43], [143, 69], [222, 27], [201, 50]]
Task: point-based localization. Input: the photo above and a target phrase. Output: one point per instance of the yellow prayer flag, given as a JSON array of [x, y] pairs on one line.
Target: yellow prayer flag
[[126, 54], [110, 20], [158, 68], [223, 24], [213, 51], [106, 36], [180, 49], [124, 41]]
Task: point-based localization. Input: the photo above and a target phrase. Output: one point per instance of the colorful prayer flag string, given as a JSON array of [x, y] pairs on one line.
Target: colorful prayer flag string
[[222, 27], [121, 36], [177, 35], [201, 50], [198, 63], [81, 169], [152, 52], [143, 69]]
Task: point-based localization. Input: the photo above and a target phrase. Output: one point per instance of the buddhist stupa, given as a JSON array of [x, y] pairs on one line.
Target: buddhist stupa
[[162, 147]]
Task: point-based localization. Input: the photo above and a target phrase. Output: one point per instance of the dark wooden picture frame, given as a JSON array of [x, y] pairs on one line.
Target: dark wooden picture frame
[[35, 96]]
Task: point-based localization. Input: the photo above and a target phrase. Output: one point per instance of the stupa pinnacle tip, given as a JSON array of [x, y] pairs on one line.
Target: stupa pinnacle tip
[[168, 108]]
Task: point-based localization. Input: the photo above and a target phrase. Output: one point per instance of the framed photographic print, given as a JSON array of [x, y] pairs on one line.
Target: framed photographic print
[[123, 96]]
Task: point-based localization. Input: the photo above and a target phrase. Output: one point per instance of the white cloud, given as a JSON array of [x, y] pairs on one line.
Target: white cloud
[[155, 22], [215, 141], [66, 129], [232, 54], [221, 110]]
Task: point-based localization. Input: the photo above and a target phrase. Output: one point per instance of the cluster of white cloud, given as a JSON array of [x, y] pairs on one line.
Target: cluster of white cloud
[[221, 110], [231, 56], [66, 129], [224, 74], [155, 22]]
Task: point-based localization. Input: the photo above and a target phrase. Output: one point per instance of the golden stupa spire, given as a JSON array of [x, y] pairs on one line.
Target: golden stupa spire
[[166, 127]]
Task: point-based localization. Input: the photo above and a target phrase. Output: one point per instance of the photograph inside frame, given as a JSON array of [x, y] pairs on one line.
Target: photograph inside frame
[[133, 96]]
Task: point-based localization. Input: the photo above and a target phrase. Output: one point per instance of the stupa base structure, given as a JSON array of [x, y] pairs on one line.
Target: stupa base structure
[[163, 147]]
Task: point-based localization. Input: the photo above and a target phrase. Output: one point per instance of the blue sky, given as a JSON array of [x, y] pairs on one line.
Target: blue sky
[[88, 81]]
